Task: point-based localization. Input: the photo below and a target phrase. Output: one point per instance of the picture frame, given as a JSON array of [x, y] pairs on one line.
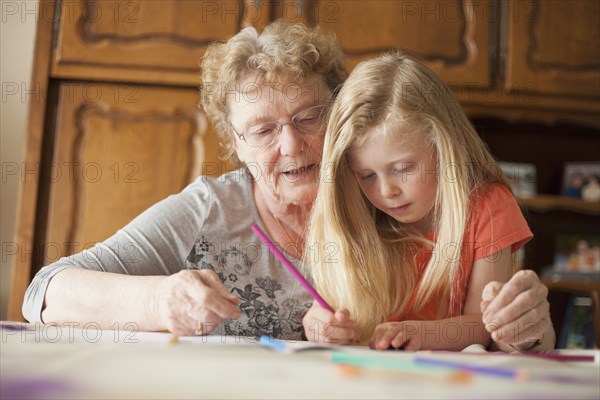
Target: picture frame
[[578, 327], [581, 180], [577, 253], [522, 178]]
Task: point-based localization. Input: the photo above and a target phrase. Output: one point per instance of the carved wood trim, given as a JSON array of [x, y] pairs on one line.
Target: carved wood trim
[[469, 49], [197, 128], [260, 22], [534, 46], [86, 30]]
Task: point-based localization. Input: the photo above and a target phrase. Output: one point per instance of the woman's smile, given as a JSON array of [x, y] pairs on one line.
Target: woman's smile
[[296, 174]]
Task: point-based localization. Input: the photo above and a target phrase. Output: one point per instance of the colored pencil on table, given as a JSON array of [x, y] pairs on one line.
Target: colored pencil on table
[[547, 356], [396, 368], [510, 373]]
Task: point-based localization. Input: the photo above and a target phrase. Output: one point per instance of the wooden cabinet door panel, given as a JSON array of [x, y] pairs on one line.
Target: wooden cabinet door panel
[[554, 47], [113, 158], [452, 36], [150, 41]]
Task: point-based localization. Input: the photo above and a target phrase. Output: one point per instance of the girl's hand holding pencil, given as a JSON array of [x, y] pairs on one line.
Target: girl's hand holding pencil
[[324, 326]]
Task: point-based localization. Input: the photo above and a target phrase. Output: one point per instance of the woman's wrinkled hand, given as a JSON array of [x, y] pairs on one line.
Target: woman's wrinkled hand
[[517, 313], [194, 302]]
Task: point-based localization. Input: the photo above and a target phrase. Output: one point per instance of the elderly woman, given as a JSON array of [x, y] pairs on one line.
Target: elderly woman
[[197, 267]]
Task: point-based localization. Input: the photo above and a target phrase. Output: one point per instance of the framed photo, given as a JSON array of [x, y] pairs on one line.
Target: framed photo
[[582, 181], [578, 328], [577, 253], [522, 177]]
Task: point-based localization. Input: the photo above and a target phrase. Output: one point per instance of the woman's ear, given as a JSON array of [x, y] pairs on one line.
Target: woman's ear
[[235, 145]]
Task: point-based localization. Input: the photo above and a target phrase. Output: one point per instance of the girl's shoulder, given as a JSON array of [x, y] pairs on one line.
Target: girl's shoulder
[[494, 199], [492, 191], [496, 220]]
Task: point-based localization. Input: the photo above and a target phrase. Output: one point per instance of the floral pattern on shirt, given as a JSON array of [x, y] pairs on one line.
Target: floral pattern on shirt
[[267, 308]]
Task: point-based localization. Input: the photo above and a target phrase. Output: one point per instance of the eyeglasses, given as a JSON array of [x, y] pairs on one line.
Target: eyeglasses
[[309, 122]]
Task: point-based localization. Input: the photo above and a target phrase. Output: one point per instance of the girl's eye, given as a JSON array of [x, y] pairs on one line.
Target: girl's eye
[[367, 177], [405, 169]]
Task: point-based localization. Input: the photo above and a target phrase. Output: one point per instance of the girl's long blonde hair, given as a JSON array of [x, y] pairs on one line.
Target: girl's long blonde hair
[[361, 258]]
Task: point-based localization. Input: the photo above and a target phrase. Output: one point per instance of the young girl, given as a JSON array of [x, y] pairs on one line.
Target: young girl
[[412, 218]]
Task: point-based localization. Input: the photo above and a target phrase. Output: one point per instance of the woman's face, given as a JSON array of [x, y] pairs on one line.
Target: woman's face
[[287, 168]]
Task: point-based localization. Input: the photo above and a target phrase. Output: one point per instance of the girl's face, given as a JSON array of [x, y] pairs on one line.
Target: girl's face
[[397, 173]]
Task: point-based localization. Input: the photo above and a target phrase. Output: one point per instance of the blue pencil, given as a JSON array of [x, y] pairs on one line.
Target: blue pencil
[[272, 343], [509, 373]]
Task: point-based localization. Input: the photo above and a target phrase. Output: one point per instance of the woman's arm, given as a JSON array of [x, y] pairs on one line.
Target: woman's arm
[[77, 295], [186, 303], [137, 276]]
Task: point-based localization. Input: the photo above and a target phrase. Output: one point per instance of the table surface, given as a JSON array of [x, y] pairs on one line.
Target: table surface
[[45, 361]]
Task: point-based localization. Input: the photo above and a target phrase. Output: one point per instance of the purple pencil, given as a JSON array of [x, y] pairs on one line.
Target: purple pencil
[[555, 355], [286, 263]]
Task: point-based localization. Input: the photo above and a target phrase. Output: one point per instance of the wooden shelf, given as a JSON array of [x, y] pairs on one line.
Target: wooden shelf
[[546, 203], [572, 285]]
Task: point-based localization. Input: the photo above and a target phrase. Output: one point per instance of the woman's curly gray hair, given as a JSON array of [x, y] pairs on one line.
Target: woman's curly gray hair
[[282, 48]]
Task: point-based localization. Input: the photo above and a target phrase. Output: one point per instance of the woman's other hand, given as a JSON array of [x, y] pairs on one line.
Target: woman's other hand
[[517, 313]]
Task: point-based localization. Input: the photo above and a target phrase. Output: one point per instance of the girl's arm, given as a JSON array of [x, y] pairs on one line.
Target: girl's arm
[[451, 333]]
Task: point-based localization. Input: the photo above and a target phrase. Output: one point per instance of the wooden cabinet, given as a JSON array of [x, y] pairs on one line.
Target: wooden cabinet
[[553, 60], [118, 149], [516, 60], [554, 46], [532, 60], [118, 126], [145, 41], [453, 37]]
